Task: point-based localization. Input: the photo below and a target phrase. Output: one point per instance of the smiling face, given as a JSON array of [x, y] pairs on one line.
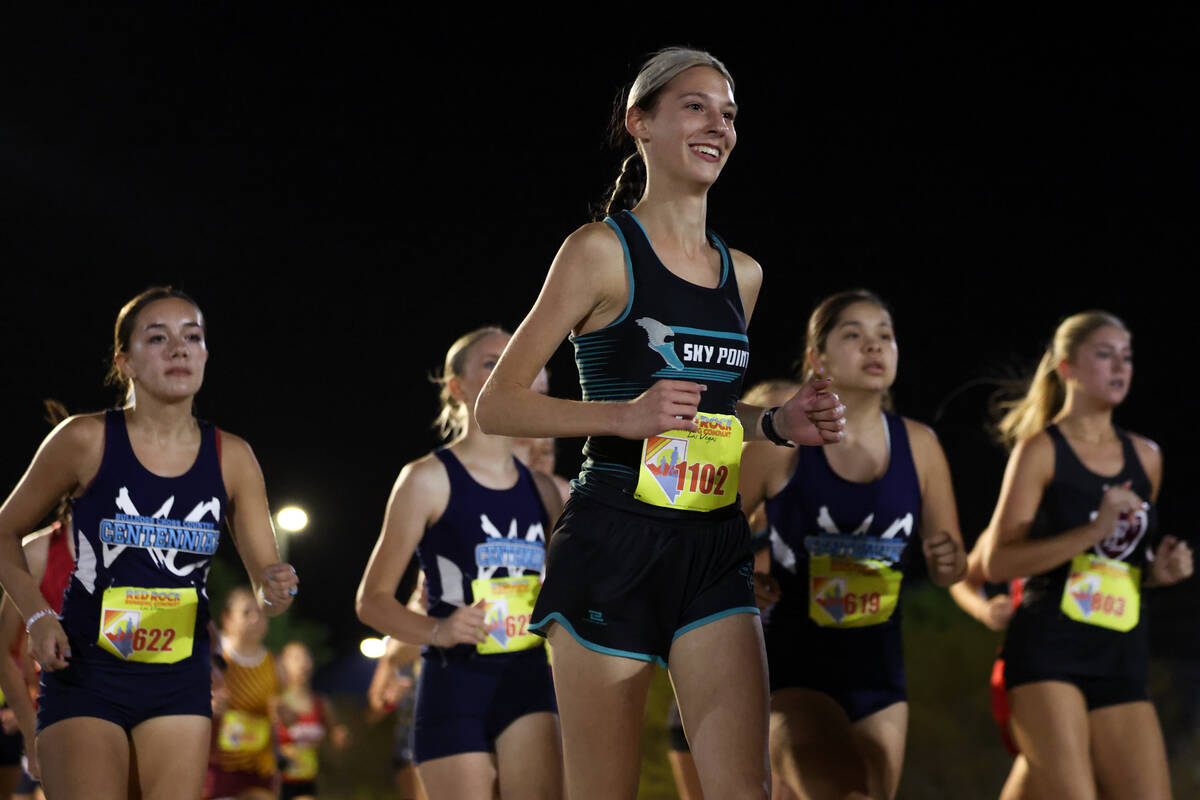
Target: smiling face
[[1101, 366], [689, 130], [860, 351], [166, 353]]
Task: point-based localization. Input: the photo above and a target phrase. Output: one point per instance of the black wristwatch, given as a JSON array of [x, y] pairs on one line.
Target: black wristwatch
[[768, 428]]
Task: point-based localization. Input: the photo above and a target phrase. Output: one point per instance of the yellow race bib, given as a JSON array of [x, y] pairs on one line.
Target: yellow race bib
[[509, 608], [1102, 591], [242, 732], [153, 626], [693, 470], [851, 592], [302, 764]]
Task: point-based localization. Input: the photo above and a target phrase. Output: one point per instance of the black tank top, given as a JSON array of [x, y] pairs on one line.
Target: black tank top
[[1040, 632], [670, 329], [1071, 500]]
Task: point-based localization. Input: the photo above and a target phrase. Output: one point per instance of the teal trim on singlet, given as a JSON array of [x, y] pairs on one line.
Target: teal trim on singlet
[[628, 274], [741, 337], [713, 618], [712, 237], [598, 648], [688, 373]]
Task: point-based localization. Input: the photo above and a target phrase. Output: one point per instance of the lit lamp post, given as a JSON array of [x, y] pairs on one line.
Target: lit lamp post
[[373, 647], [290, 520]]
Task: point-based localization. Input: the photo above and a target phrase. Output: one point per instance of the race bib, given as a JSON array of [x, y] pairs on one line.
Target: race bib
[[242, 732], [301, 761], [153, 626], [1102, 591], [693, 470], [509, 607], [851, 593]]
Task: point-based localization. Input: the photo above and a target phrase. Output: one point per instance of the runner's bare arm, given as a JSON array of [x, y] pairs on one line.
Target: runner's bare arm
[[249, 520], [67, 460], [1010, 552], [418, 499], [584, 291], [941, 539]]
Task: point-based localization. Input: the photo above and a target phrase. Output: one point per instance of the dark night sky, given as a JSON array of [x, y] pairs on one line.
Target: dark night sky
[[346, 192]]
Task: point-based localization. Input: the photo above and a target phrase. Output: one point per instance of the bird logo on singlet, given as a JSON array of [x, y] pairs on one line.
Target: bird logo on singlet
[[657, 334]]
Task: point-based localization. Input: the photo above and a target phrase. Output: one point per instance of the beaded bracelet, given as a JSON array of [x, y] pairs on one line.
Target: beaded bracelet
[[45, 612]]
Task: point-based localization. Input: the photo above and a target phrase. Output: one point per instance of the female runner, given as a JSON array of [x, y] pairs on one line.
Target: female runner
[[300, 741], [150, 487], [1076, 515], [484, 721], [241, 762], [842, 519], [50, 555], [995, 612], [651, 560], [766, 593]]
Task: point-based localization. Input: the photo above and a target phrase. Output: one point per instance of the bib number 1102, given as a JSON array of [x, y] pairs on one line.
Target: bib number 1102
[[706, 479]]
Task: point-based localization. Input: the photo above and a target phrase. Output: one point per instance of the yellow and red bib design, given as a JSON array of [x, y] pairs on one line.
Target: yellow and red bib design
[[693, 470], [1102, 591], [302, 761], [153, 626], [509, 607], [851, 592], [242, 732]]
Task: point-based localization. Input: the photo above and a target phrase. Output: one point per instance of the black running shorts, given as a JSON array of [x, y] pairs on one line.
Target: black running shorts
[[627, 584]]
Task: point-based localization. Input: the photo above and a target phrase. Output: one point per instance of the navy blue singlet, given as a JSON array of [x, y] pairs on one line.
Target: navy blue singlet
[[136, 529], [671, 328], [821, 513], [483, 533], [1040, 634]]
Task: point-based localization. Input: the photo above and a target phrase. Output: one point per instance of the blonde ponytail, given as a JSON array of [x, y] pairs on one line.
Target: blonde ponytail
[[451, 420], [1045, 393]]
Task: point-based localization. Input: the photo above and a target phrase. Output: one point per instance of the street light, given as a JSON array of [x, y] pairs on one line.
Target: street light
[[292, 519], [372, 647]]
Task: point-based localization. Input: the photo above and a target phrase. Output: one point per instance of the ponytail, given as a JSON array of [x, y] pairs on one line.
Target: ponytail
[[451, 420], [1043, 398], [630, 185], [1045, 393]]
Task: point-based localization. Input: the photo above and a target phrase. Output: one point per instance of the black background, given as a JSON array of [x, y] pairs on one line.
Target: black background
[[345, 192]]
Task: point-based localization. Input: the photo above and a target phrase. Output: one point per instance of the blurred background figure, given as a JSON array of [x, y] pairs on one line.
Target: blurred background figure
[[50, 553], [312, 722], [242, 762], [391, 691], [993, 606]]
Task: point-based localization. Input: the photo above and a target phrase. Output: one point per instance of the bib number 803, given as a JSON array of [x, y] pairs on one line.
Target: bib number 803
[[706, 479], [1108, 604]]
